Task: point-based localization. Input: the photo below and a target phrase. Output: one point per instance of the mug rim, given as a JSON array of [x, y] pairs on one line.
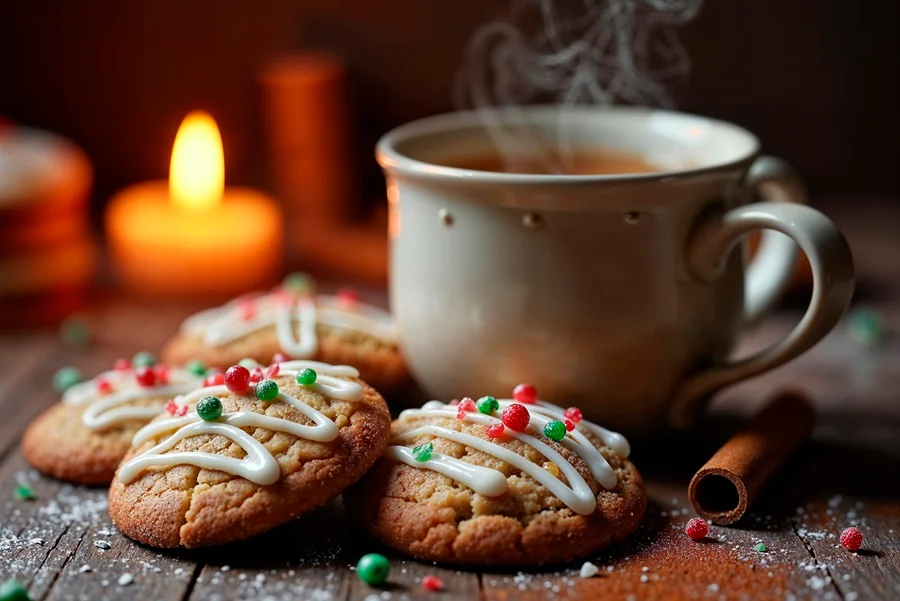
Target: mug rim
[[392, 160]]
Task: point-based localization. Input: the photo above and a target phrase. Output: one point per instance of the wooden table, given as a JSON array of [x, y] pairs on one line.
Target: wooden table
[[849, 474]]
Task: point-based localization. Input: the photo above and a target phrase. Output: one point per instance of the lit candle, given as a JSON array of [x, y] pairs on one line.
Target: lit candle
[[193, 235]]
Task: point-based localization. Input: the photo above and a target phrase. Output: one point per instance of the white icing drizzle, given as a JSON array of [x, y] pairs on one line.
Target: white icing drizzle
[[486, 481], [259, 466], [104, 410], [221, 325]]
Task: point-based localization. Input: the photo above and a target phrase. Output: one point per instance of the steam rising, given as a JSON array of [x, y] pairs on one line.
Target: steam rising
[[597, 52]]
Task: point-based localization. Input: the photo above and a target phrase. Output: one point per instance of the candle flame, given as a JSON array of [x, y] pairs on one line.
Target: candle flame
[[197, 170]]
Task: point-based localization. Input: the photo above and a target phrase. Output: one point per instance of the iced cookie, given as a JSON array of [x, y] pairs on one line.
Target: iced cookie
[[83, 438], [508, 482], [298, 324], [247, 457]]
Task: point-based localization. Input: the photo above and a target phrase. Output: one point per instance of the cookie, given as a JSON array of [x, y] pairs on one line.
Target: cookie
[[499, 483], [83, 438], [236, 464], [290, 321]]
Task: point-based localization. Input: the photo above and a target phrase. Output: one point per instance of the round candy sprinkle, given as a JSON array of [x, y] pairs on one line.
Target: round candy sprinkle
[[516, 417], [697, 529], [13, 590], [104, 386], [162, 373], [851, 538], [273, 370], [573, 414], [145, 376], [306, 377], [298, 283], [280, 358], [24, 492], [65, 378], [423, 452], [237, 378], [75, 331], [248, 363], [348, 297], [247, 309], [555, 430], [487, 404], [759, 548], [373, 569], [466, 405], [569, 425], [525, 393], [432, 583], [143, 359], [122, 364], [267, 390], [196, 366], [216, 378], [256, 375], [209, 408], [494, 430]]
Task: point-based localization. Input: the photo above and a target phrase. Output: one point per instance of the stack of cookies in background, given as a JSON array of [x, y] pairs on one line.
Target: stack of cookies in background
[[47, 256]]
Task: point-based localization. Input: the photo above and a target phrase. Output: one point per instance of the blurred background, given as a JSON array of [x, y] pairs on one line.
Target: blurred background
[[817, 80]]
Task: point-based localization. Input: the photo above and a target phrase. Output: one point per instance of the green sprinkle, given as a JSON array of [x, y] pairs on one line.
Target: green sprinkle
[[12, 590], [423, 452], [24, 493], [65, 378], [209, 408], [143, 359], [267, 390], [306, 377], [866, 327], [555, 430], [196, 366], [75, 331], [248, 363], [373, 569], [298, 283], [487, 404], [760, 548]]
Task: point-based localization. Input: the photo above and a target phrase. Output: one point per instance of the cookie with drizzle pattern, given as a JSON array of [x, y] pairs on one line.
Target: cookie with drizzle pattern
[[527, 486]]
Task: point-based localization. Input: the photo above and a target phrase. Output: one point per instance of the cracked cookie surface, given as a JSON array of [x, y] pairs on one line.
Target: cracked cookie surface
[[190, 506], [433, 517]]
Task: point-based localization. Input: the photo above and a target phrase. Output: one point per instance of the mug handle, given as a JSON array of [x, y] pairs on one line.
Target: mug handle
[[829, 257]]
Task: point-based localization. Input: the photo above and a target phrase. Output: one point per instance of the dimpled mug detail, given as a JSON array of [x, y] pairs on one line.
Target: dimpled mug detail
[[622, 294]]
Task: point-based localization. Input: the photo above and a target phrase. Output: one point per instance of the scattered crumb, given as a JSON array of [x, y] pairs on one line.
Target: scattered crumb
[[85, 568], [588, 570], [102, 544], [125, 579], [36, 541]]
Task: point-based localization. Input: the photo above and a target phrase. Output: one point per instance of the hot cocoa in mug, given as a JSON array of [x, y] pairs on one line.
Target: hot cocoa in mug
[[597, 254]]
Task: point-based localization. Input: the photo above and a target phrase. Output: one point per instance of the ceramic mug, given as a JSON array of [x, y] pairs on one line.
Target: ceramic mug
[[621, 294]]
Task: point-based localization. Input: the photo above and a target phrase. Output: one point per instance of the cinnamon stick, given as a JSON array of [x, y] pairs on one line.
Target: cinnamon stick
[[729, 482]]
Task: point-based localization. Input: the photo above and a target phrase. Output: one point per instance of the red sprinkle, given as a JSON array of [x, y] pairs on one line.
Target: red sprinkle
[[851, 538], [454, 403], [569, 425], [467, 405], [122, 365], [348, 297], [182, 411], [697, 529], [273, 370], [247, 308], [495, 430], [145, 376], [432, 583], [162, 373], [280, 358], [215, 379], [237, 378], [574, 414], [516, 417], [525, 393], [104, 386], [171, 407], [256, 376]]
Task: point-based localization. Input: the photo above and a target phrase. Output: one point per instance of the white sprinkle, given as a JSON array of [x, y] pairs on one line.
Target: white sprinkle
[[588, 570], [104, 583], [224, 568], [645, 578], [713, 588], [125, 579], [102, 544], [645, 569], [85, 568], [104, 532], [37, 541]]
